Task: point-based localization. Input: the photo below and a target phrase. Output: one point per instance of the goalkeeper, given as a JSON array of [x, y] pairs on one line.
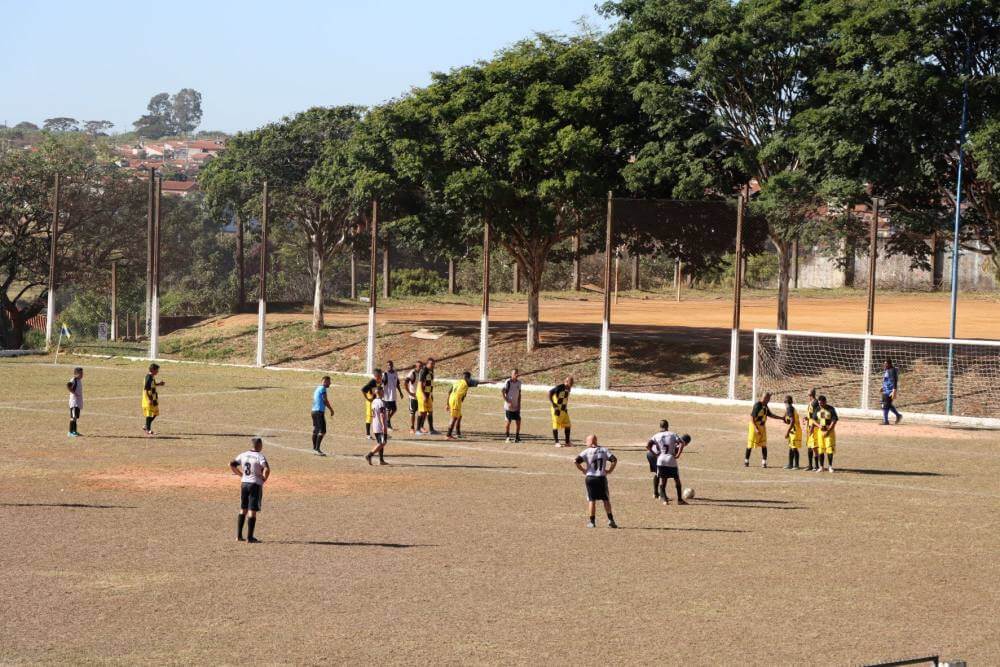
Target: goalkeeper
[[890, 383]]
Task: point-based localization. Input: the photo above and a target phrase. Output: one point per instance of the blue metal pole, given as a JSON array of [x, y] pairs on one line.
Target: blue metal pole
[[950, 399]]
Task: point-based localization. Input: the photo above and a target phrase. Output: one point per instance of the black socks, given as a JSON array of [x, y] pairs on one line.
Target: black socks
[[251, 524], [368, 428], [72, 426], [240, 518], [555, 435], [149, 423]]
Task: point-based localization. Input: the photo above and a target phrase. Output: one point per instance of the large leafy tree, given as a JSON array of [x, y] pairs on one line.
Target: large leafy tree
[[169, 115], [98, 208], [526, 143], [722, 83]]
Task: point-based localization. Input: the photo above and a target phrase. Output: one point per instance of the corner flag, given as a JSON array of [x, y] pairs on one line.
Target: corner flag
[[64, 331]]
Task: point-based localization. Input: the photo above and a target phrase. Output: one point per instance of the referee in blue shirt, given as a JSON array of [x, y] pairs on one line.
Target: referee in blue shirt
[[890, 382], [319, 405]]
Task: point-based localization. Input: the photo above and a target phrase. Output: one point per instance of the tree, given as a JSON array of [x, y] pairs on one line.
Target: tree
[[95, 127], [25, 125], [723, 83], [61, 124], [186, 109], [526, 143]]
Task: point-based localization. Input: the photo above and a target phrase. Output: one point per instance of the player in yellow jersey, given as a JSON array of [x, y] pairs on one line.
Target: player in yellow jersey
[[793, 434], [150, 399], [812, 430], [757, 430], [559, 405], [826, 417], [368, 391], [456, 396]]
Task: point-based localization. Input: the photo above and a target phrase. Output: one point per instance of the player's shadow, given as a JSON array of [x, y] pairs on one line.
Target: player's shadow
[[145, 437], [743, 500], [892, 473], [470, 466], [84, 506], [346, 543], [687, 530], [747, 504]]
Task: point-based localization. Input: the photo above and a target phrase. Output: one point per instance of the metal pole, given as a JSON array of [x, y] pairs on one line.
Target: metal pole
[[451, 275], [484, 323], [734, 343], [955, 247], [150, 214], [50, 304], [372, 292], [262, 297], [154, 307], [606, 321], [114, 299]]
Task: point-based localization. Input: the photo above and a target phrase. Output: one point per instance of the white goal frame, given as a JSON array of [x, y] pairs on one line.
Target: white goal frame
[[861, 406]]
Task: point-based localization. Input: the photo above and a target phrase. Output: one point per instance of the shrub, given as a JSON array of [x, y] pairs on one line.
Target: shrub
[[417, 282]]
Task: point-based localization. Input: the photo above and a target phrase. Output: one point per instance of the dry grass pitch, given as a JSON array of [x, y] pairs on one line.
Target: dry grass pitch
[[116, 547]]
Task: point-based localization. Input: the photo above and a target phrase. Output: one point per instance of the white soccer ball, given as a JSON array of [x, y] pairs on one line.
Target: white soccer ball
[[688, 493]]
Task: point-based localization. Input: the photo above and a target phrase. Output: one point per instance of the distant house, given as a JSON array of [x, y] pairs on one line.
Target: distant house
[[179, 188]]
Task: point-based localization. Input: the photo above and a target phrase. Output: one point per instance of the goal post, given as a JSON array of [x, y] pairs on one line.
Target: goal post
[[847, 368]]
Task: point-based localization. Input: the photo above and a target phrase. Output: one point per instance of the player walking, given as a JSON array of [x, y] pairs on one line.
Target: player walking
[[380, 426], [559, 405], [253, 470], [425, 399], [391, 390], [368, 391], [757, 431], [793, 434], [596, 463], [410, 384], [319, 406], [511, 392], [826, 417], [150, 398], [456, 396], [75, 387], [812, 430], [890, 383]]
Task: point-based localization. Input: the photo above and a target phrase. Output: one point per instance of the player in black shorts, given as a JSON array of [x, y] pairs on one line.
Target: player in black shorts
[[252, 468], [596, 463], [410, 384]]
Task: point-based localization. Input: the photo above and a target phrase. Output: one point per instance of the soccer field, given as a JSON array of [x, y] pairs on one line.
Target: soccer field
[[120, 547]]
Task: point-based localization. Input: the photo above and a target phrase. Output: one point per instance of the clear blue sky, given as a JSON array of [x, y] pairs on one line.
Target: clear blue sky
[[253, 61]]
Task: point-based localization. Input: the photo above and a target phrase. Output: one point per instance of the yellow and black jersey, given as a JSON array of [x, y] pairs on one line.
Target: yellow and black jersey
[[559, 397], [792, 418], [369, 389], [826, 416], [759, 413], [811, 412]]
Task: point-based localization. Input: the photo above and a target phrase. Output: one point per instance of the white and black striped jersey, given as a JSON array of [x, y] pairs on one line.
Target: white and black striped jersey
[[597, 460]]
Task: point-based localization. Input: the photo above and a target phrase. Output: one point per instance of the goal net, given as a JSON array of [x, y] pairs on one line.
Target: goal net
[[847, 368]]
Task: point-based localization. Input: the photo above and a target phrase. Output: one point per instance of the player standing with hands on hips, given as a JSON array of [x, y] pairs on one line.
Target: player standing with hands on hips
[[253, 470], [596, 463]]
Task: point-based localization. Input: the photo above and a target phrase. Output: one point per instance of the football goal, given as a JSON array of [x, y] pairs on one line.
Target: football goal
[[937, 376]]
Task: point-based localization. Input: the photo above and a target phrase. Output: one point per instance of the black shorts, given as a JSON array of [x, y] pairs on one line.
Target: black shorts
[[319, 422], [651, 459], [390, 406], [413, 406], [74, 413], [250, 496], [380, 438], [667, 472], [597, 488], [513, 415]]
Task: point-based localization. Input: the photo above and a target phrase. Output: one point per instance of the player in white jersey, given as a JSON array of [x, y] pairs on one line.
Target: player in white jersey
[[653, 451], [511, 392], [410, 384], [380, 426], [596, 463], [669, 447], [393, 390], [252, 468], [75, 387]]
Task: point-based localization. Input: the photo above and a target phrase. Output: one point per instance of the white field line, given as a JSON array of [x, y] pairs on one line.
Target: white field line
[[820, 478]]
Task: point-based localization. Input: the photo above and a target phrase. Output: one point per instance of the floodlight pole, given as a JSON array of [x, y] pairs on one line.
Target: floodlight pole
[[50, 304], [114, 300], [734, 344], [154, 307], [484, 323], [870, 324], [262, 297], [606, 321], [955, 245], [150, 214], [372, 293]]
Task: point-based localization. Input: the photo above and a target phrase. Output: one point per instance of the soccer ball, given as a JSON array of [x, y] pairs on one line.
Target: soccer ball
[[688, 493]]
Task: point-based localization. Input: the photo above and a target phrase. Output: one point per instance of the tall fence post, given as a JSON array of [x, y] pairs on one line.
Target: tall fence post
[[606, 320], [734, 344], [262, 297], [484, 323], [50, 303], [372, 293]]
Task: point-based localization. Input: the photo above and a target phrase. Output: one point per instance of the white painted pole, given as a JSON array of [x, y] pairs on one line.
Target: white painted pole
[[261, 327], [734, 363], [734, 345], [154, 325], [372, 293], [154, 304], [50, 303], [370, 351], [866, 374], [606, 320], [50, 316], [484, 323], [756, 345], [262, 299], [605, 354]]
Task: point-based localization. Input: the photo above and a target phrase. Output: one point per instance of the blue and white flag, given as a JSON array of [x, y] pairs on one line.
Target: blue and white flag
[[64, 331]]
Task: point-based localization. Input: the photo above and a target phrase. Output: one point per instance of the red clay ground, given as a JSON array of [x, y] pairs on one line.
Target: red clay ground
[[119, 548]]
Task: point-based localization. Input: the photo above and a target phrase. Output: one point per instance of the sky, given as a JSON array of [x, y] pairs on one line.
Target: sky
[[252, 61]]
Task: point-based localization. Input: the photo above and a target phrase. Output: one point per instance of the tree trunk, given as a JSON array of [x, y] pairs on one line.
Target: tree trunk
[[635, 271], [533, 339], [576, 262], [937, 262], [784, 278], [849, 252], [517, 278], [317, 322], [354, 275], [451, 276], [241, 292]]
